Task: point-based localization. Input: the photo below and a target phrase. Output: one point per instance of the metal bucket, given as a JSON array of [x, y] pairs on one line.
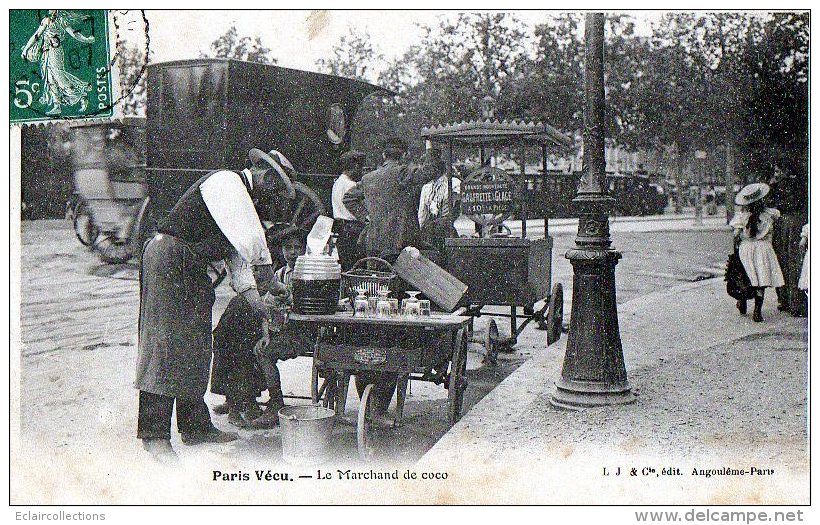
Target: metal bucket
[[306, 433]]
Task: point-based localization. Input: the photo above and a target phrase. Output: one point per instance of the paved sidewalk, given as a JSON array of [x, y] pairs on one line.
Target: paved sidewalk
[[714, 390], [652, 223]]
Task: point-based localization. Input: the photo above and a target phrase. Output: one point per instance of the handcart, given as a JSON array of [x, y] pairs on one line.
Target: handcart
[[108, 160], [498, 268], [432, 349]]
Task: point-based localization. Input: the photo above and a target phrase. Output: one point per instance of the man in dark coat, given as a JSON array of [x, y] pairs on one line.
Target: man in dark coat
[[216, 220], [387, 199], [790, 196]]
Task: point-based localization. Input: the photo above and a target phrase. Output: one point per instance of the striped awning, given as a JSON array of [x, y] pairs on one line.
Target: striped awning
[[497, 132]]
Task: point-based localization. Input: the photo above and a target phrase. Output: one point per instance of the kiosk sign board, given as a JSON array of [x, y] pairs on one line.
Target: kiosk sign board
[[487, 197]]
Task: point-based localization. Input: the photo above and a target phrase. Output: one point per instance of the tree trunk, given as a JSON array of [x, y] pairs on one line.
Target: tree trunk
[[730, 182], [679, 181]]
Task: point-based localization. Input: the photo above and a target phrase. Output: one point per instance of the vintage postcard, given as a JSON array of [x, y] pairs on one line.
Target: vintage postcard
[[411, 257]]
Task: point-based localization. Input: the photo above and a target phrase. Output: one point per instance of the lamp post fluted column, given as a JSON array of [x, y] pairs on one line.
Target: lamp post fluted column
[[594, 373]]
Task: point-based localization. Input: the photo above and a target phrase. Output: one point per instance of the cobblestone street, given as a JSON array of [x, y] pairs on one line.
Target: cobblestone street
[[79, 320]]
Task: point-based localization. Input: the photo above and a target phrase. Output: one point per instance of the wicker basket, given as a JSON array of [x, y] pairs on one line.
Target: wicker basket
[[372, 273]]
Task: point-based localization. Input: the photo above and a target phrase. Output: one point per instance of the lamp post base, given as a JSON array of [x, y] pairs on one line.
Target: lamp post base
[[594, 373], [577, 395]]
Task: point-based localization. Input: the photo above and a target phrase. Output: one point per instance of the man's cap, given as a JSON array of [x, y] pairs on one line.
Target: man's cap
[[351, 158], [396, 143], [278, 233]]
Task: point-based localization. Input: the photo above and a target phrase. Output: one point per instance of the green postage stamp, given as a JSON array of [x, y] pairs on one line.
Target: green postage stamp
[[62, 65]]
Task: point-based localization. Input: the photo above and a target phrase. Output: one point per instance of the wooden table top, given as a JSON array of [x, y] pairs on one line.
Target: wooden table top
[[436, 320]]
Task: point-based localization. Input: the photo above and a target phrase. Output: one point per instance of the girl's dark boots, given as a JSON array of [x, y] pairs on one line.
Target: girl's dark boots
[[741, 306], [757, 315]]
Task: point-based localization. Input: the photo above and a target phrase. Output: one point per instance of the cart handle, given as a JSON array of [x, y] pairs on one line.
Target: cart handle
[[365, 260], [507, 233]]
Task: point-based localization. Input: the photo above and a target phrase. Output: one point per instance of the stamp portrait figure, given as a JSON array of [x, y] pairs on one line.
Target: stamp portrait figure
[[45, 46]]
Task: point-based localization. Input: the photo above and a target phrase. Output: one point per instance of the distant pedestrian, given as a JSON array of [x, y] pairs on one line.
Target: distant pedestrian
[[803, 283], [711, 201], [436, 216], [789, 194], [753, 226]]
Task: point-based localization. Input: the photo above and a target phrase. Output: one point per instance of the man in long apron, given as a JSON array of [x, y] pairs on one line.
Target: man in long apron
[[217, 219]]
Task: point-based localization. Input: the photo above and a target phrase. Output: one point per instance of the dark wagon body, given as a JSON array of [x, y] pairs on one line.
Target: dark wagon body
[[205, 114]]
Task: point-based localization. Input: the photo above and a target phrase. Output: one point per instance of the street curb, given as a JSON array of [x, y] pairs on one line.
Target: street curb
[[528, 383]]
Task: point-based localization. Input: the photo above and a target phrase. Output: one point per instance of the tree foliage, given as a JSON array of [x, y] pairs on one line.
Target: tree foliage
[[131, 62], [699, 81], [231, 45]]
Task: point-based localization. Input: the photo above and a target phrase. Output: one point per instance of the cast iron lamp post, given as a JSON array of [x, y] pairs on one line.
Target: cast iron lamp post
[[594, 373]]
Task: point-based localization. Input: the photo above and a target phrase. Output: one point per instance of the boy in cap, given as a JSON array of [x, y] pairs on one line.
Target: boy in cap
[[345, 224]]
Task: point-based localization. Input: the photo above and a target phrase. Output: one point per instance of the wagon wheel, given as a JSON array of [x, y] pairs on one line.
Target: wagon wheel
[[84, 227], [145, 226], [300, 213], [458, 381], [555, 317], [364, 425], [491, 341], [114, 250]]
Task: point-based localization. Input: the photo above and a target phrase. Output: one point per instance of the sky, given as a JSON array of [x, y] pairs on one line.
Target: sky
[[298, 38]]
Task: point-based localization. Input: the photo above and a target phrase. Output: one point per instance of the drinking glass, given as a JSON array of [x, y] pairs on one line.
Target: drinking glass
[[424, 308], [372, 302], [383, 307], [360, 304], [394, 307]]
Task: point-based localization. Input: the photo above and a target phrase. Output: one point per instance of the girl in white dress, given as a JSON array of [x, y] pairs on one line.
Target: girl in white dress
[[753, 226], [803, 283]]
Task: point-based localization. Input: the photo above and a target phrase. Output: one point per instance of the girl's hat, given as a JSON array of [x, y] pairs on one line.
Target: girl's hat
[[751, 193]]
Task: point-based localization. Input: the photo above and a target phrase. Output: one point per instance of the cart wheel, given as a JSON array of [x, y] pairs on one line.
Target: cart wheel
[[113, 250], [364, 425], [145, 226], [491, 341], [458, 381], [555, 317], [84, 227]]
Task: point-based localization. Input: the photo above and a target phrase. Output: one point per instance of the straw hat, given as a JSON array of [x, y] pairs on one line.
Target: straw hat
[[280, 164], [751, 193]]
